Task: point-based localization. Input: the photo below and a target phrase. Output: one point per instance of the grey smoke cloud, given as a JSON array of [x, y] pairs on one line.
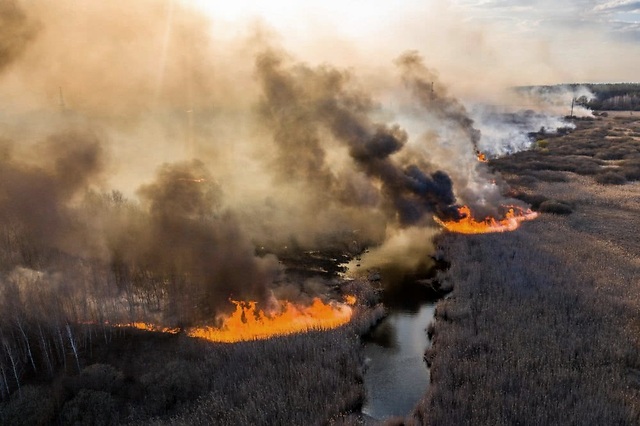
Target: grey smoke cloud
[[36, 194], [435, 100], [291, 155]]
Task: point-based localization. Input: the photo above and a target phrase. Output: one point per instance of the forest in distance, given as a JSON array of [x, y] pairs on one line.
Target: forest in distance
[[600, 96]]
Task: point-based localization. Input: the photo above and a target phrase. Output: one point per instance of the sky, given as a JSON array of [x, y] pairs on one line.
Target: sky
[[519, 41]]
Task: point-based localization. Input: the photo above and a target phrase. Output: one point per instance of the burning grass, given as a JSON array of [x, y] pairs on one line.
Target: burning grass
[[140, 373], [247, 322], [469, 225], [250, 323], [544, 318]]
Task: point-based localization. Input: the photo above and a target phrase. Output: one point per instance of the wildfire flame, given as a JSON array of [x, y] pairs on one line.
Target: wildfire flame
[[469, 225], [249, 323], [482, 157], [150, 327]]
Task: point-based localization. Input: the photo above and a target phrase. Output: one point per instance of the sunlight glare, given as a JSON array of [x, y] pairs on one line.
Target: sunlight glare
[[350, 17]]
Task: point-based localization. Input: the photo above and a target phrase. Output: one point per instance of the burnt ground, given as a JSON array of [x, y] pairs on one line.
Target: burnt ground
[[543, 324]]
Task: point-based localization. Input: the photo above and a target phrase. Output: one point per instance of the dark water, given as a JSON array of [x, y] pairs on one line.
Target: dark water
[[397, 376]]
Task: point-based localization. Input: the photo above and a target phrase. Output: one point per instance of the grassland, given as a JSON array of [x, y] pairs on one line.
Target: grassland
[[542, 326]]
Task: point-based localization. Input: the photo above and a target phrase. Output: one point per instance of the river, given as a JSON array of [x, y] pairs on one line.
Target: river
[[397, 376]]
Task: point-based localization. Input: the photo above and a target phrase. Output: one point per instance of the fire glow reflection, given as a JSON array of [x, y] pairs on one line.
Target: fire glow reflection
[[469, 225]]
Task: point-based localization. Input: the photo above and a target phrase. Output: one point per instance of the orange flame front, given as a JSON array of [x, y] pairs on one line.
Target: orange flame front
[[482, 157], [150, 327], [469, 225], [249, 323]]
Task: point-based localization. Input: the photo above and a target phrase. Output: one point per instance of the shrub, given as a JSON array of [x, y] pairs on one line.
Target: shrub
[[31, 405], [90, 407], [555, 207], [543, 144], [524, 180], [98, 377], [631, 173], [551, 176], [610, 178], [178, 382], [532, 199]]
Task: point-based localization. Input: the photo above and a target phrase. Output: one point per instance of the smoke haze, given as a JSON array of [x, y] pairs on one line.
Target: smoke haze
[[148, 140], [16, 31]]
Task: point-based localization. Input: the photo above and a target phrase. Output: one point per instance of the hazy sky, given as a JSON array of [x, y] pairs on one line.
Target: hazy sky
[[521, 41]]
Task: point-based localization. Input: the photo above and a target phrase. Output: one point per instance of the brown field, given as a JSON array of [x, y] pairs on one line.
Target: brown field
[[542, 326]]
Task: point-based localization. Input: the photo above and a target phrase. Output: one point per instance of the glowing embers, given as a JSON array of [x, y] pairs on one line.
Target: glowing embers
[[350, 300], [249, 323], [468, 225], [150, 327]]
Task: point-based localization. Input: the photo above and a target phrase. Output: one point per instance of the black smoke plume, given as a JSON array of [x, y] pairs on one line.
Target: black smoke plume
[[37, 194], [202, 247], [311, 108]]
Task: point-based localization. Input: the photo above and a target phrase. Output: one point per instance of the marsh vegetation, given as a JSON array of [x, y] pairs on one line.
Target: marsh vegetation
[[542, 324]]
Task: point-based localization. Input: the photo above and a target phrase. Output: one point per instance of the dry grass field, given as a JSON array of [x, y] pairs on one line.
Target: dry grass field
[[542, 327], [543, 324]]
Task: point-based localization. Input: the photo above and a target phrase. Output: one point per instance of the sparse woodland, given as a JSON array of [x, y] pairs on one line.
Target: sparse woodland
[[56, 371], [62, 363]]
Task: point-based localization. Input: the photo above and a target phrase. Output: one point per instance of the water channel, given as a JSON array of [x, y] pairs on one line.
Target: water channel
[[397, 376]]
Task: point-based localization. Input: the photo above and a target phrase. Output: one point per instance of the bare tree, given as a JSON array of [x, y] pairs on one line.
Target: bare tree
[[73, 346]]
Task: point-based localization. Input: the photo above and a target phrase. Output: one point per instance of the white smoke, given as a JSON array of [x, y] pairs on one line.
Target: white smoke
[[506, 132]]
